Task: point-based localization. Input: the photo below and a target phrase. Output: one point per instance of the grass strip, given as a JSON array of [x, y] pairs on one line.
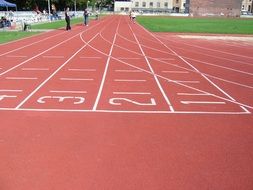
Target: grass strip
[[197, 25]]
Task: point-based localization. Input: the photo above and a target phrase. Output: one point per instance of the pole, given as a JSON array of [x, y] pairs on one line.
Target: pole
[[49, 12], [87, 4], [75, 8]]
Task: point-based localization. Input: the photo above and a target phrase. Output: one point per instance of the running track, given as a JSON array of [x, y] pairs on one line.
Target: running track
[[113, 106]]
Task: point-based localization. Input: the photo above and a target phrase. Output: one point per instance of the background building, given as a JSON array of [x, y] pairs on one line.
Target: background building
[[227, 8], [247, 6], [215, 7], [150, 6]]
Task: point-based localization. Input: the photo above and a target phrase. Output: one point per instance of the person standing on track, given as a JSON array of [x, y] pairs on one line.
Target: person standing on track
[[86, 16], [67, 18], [133, 16]]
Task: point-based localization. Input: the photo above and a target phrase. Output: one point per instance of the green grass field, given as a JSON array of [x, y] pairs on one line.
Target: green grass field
[[197, 25], [7, 36], [56, 24]]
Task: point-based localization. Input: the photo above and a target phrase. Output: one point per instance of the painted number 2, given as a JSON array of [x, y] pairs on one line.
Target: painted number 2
[[118, 101]]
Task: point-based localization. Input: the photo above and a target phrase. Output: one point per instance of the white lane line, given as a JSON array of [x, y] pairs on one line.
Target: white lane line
[[133, 58], [84, 70], [129, 71], [134, 93], [128, 111], [21, 78], [164, 59], [105, 71], [193, 94], [53, 74], [185, 81], [201, 102], [39, 54], [35, 69], [180, 72], [76, 79], [68, 91], [166, 98], [83, 57], [10, 90], [16, 56], [53, 56], [129, 80], [231, 99]]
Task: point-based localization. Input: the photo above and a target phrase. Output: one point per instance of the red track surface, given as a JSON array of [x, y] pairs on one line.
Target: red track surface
[[113, 106]]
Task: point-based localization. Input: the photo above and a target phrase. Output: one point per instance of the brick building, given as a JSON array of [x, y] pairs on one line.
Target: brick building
[[215, 7]]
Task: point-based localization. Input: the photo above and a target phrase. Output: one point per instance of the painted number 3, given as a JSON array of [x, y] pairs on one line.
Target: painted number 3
[[118, 101]]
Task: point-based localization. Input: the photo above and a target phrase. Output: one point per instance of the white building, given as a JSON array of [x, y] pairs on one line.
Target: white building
[[150, 6]]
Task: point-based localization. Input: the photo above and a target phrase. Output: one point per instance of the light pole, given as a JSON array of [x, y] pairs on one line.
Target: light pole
[[87, 4], [49, 12], [75, 8]]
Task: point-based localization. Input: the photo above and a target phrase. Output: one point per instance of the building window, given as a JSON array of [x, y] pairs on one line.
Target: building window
[[151, 4], [177, 1], [122, 9], [158, 4], [136, 4], [166, 4], [249, 7], [143, 4]]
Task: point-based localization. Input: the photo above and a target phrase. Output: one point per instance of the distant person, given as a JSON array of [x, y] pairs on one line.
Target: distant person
[[130, 15], [67, 18], [133, 16], [86, 16], [97, 14]]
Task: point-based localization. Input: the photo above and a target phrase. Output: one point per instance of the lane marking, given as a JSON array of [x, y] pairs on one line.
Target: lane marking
[[17, 56], [129, 80], [162, 77], [67, 91], [51, 76], [53, 56], [35, 69], [201, 102], [134, 93], [164, 59], [129, 71], [105, 71], [193, 94], [39, 54], [10, 90], [83, 57], [125, 111], [130, 58], [180, 72], [21, 78], [76, 79], [185, 81], [84, 70], [152, 71]]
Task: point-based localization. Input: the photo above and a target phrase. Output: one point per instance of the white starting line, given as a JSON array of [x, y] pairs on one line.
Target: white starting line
[[128, 80], [201, 102], [129, 71], [21, 78], [67, 91], [83, 70], [35, 69], [76, 79], [133, 93]]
